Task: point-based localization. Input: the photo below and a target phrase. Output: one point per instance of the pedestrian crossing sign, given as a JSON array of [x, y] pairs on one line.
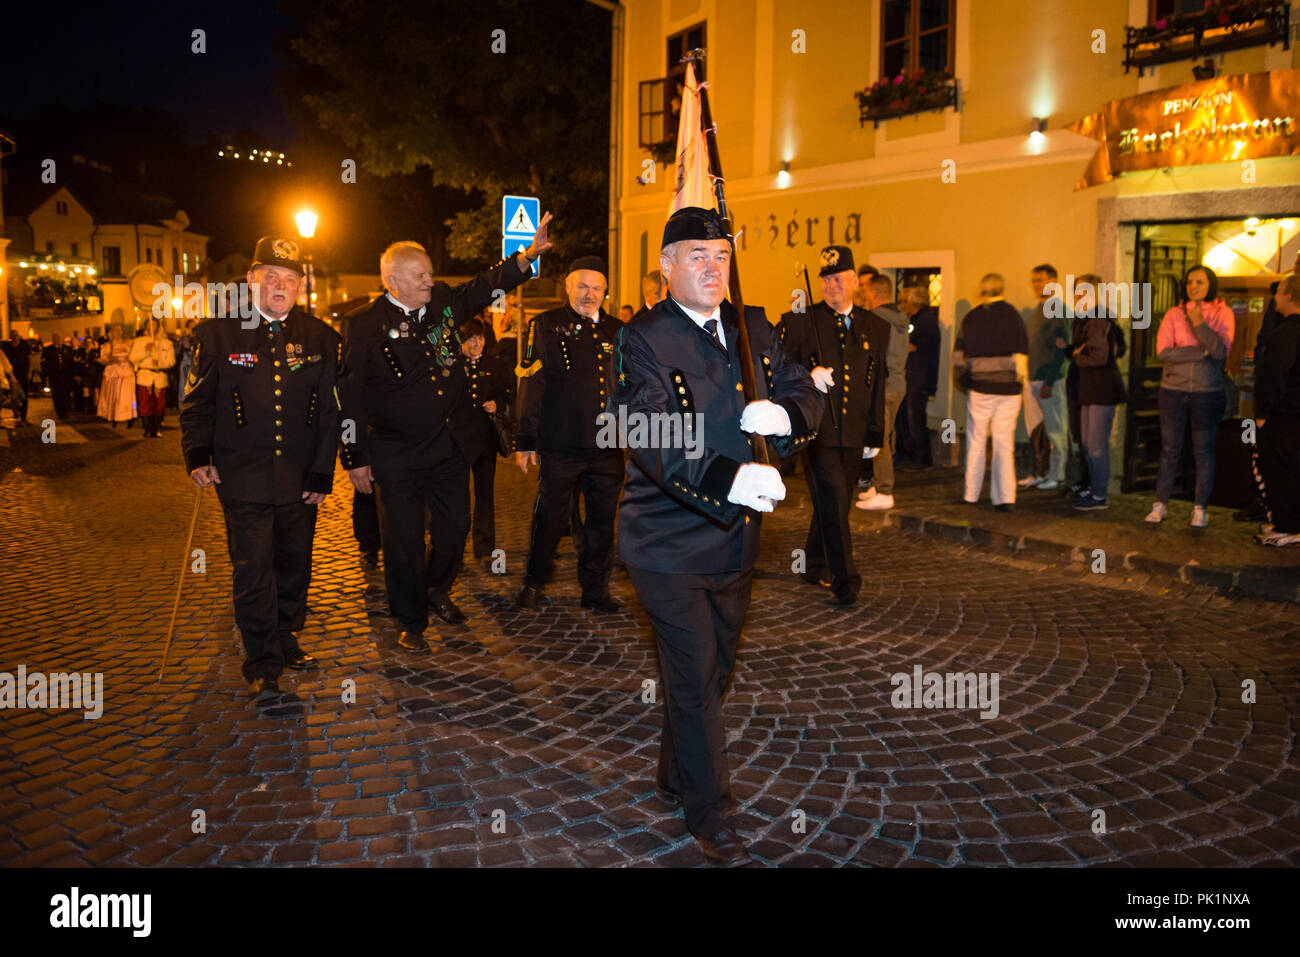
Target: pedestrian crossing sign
[[513, 244], [520, 216]]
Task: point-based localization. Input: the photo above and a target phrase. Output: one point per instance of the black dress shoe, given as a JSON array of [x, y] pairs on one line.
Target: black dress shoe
[[302, 662], [446, 609], [1005, 507], [604, 604], [724, 847], [845, 597], [528, 598], [413, 641], [262, 690], [822, 579]]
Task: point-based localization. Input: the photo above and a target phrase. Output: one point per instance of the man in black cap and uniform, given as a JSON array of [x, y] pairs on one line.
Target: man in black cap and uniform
[[689, 523], [409, 429], [260, 421], [851, 373], [558, 410], [491, 381]]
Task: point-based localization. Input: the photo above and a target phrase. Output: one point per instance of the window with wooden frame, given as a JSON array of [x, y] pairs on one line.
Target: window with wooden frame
[[659, 102], [916, 36], [1161, 9]]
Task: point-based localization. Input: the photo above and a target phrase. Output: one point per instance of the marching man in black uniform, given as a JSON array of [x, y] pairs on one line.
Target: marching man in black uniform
[[260, 422], [688, 526], [408, 428], [491, 389], [558, 410], [851, 373]]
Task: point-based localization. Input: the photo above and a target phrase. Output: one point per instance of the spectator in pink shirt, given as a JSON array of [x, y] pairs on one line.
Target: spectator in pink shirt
[[1193, 341]]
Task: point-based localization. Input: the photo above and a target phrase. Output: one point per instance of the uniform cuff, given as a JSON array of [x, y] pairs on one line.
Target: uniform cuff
[[197, 458], [719, 477], [798, 424], [319, 482], [526, 443], [351, 458]]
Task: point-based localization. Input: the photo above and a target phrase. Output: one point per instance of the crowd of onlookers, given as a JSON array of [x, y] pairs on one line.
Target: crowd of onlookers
[[1061, 367], [117, 378]]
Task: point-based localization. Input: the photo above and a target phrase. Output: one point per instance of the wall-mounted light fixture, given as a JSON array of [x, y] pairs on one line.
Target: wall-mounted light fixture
[[783, 177]]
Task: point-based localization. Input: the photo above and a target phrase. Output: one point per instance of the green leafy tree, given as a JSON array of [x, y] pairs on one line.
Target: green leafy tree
[[410, 84]]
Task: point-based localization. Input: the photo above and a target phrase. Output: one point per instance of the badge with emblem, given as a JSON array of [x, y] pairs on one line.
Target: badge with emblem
[[830, 256], [285, 249], [392, 333], [406, 329], [608, 347]]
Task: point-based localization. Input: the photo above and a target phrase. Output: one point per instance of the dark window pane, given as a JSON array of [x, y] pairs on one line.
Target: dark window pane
[[896, 19], [674, 51], [934, 13], [895, 59], [933, 52], [695, 38]]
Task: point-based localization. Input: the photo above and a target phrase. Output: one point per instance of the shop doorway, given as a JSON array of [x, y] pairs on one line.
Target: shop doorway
[[1248, 255]]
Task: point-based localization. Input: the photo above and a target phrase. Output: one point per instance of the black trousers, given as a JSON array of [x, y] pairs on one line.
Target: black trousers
[[270, 550], [832, 477], [365, 521], [408, 498], [61, 393], [484, 472], [1277, 471], [914, 441], [696, 621], [598, 475]]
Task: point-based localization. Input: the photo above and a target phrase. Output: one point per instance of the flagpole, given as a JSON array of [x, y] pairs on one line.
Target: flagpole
[[696, 59]]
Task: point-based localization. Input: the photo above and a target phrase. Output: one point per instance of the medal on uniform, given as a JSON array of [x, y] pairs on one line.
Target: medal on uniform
[[405, 327], [392, 333]]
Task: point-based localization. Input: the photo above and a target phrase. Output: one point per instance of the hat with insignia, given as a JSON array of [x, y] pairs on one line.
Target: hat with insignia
[[278, 251], [693, 222], [836, 259], [594, 263]]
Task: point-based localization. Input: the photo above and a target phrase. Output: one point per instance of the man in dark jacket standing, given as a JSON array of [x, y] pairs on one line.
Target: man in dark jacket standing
[[491, 389], [259, 420], [924, 339], [852, 373], [1277, 410], [689, 522], [408, 427], [558, 409]]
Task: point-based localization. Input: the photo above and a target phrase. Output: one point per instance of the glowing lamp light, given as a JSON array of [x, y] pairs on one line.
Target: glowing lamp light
[[236, 156], [783, 177], [177, 303], [23, 265], [221, 152], [90, 272], [306, 224]]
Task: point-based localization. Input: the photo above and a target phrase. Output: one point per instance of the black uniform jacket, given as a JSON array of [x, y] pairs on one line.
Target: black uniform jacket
[[558, 404], [675, 516], [264, 412], [399, 392], [857, 358]]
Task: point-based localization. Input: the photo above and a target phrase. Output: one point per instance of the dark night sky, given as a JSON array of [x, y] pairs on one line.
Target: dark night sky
[[76, 55]]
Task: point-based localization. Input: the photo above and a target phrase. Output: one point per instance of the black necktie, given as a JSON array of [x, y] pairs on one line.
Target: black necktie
[[711, 327], [276, 325]]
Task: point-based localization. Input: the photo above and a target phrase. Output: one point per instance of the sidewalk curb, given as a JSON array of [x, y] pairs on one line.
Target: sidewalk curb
[[1276, 584]]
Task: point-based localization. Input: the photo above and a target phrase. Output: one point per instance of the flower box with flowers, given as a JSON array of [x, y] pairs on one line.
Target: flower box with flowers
[[1221, 26], [906, 94]]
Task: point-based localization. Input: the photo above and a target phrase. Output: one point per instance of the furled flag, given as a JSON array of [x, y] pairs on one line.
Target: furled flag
[[693, 187]]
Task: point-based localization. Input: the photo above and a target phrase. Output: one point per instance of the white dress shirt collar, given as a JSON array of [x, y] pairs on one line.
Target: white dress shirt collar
[[700, 319], [413, 313]]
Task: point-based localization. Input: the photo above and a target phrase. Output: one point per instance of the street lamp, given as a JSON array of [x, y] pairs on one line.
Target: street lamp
[[307, 229]]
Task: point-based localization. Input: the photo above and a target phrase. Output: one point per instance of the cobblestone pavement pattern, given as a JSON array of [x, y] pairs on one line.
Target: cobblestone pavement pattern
[[1118, 696]]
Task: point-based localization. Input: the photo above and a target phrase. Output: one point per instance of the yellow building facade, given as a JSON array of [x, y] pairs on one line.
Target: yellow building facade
[[985, 186]]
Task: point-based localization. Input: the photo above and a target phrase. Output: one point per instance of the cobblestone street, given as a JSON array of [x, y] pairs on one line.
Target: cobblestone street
[[528, 739]]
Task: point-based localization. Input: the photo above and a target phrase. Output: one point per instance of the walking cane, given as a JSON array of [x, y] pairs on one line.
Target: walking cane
[[198, 500]]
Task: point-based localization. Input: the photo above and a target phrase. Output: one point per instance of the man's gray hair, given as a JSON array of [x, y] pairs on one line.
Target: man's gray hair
[[396, 251]]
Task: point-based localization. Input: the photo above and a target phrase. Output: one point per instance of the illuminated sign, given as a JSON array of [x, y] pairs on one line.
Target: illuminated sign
[[1215, 121]]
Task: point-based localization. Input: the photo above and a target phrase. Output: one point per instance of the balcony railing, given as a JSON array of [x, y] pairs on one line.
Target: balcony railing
[[1219, 28]]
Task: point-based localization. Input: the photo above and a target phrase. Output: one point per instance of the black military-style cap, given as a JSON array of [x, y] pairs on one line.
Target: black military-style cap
[[836, 259], [693, 222], [278, 251], [594, 263]]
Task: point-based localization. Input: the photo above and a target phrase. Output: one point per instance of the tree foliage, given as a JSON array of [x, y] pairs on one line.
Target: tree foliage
[[412, 84]]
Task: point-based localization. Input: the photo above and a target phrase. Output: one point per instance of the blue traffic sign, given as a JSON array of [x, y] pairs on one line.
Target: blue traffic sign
[[520, 215], [513, 244]]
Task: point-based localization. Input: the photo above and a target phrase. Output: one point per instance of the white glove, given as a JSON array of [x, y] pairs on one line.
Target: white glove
[[762, 417], [823, 378], [869, 453], [757, 486]]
